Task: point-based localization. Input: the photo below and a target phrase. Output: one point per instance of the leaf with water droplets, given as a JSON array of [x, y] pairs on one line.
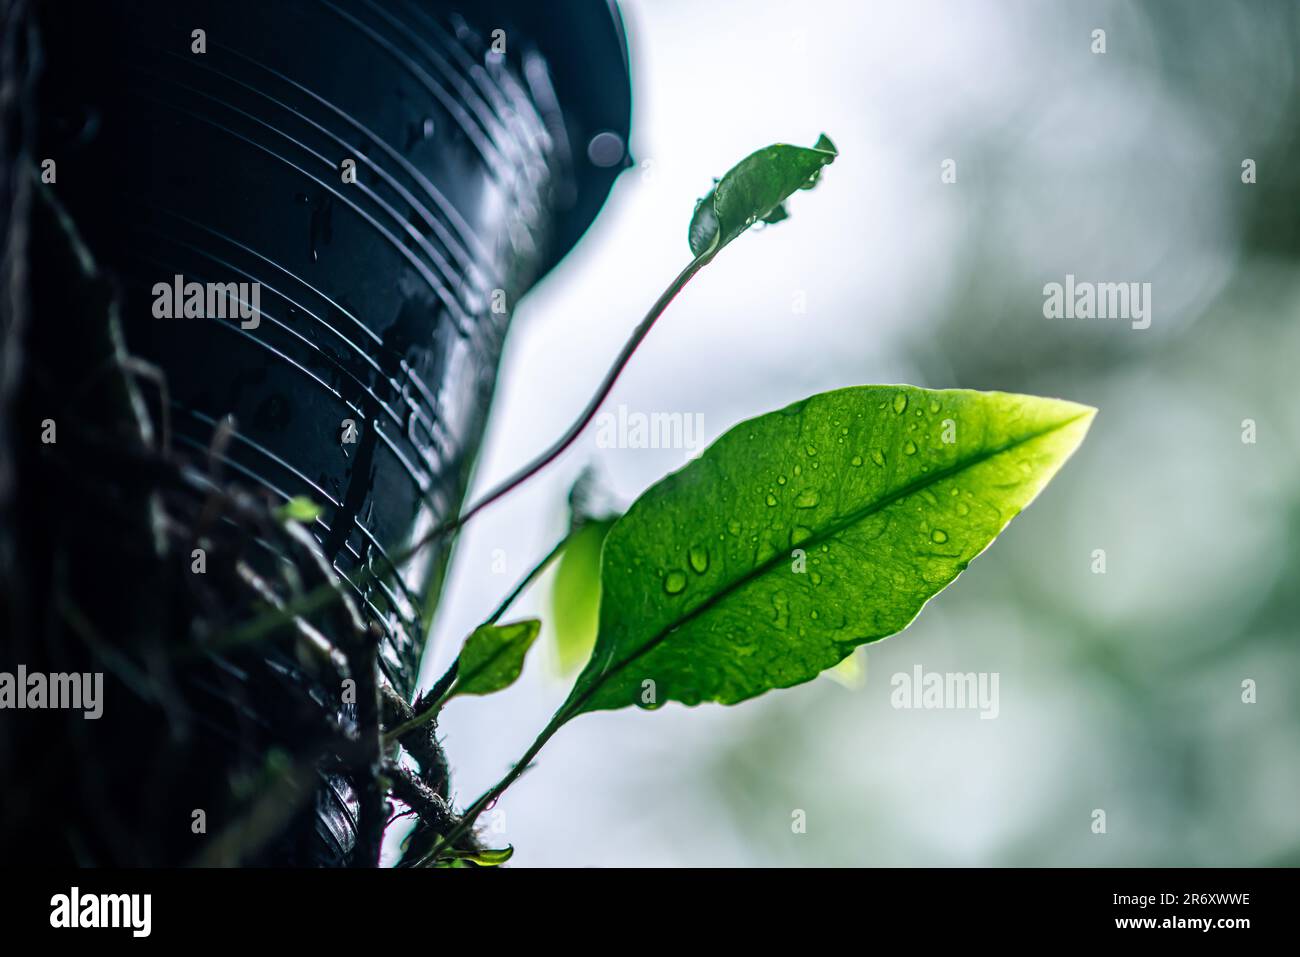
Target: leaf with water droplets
[[755, 190], [493, 657], [847, 555]]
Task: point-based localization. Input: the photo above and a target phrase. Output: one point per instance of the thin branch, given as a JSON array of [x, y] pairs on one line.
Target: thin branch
[[527, 580], [422, 799], [562, 444], [438, 693], [489, 798]]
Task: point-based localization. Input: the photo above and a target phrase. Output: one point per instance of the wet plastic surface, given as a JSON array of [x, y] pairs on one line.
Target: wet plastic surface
[[376, 297]]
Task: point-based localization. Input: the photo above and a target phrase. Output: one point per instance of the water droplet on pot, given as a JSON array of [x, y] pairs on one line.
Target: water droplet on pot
[[605, 150]]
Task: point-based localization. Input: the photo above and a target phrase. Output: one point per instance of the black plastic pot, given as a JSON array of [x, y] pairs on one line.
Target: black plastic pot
[[376, 297], [383, 302]]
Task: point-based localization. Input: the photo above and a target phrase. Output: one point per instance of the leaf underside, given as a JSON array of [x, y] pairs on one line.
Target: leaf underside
[[807, 532], [575, 595]]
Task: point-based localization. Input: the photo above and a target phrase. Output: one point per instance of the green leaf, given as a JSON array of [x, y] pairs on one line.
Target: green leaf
[[575, 594], [755, 190], [300, 508], [483, 858], [493, 657], [802, 534]]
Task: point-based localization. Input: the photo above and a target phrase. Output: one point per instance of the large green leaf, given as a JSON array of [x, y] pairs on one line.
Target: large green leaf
[[493, 657], [804, 533], [754, 190]]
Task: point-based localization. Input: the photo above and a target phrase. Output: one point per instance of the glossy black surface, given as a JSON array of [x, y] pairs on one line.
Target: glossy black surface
[[384, 301]]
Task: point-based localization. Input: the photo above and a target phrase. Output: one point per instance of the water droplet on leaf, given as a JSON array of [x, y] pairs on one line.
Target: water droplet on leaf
[[781, 610]]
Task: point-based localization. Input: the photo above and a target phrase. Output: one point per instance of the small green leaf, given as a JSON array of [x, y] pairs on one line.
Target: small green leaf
[[493, 657], [575, 594], [300, 508], [483, 858], [807, 532], [493, 858], [755, 190]]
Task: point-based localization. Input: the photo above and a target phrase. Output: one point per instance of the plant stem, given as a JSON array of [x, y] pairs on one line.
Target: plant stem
[[445, 682], [479, 806], [561, 444], [527, 580]]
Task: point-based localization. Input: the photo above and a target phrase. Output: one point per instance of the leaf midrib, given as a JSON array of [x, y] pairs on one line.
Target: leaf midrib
[[829, 532]]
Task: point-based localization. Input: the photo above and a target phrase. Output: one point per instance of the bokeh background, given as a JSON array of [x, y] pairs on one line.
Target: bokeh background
[[1119, 691]]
